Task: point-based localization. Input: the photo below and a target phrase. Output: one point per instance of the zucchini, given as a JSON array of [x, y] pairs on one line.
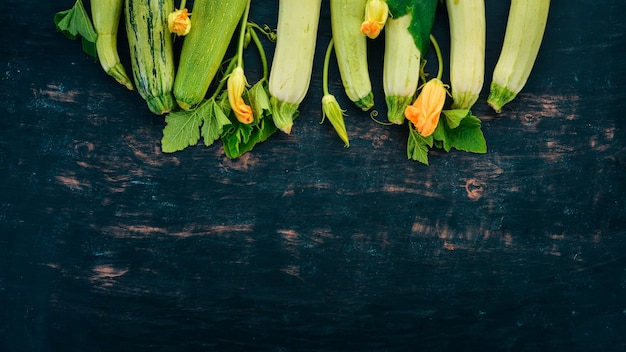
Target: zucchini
[[351, 50], [213, 23], [467, 50], [401, 67], [407, 34], [522, 39], [292, 65], [151, 52], [106, 16]]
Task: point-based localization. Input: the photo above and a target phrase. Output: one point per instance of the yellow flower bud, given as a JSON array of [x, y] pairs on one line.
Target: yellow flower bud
[[235, 85], [178, 22], [376, 13], [425, 111]]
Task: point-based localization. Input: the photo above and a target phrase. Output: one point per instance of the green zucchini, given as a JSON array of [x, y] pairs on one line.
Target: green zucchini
[[524, 33], [151, 52], [350, 46], [213, 23], [106, 21]]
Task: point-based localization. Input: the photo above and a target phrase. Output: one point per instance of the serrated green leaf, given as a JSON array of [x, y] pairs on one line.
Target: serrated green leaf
[[467, 136], [454, 117], [213, 123], [63, 23], [74, 23], [423, 12], [239, 138], [440, 135], [258, 96], [182, 129], [417, 146], [243, 131]]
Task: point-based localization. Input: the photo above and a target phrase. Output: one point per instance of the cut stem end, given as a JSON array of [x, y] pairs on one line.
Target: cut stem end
[[499, 96]]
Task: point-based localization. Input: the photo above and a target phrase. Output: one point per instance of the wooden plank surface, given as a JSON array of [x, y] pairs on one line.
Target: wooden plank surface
[[107, 244]]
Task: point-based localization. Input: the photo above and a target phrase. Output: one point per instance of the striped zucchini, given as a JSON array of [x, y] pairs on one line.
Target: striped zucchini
[[106, 16], [351, 50], [213, 23], [151, 51]]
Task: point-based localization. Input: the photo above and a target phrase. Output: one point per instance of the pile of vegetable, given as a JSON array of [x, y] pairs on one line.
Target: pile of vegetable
[[203, 93]]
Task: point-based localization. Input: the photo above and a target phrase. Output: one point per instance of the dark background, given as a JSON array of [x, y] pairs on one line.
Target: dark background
[[107, 244]]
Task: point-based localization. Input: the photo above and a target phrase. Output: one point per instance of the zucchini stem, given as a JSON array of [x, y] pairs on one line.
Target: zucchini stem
[[266, 30], [231, 66], [330, 106], [439, 56], [255, 38], [329, 51], [242, 35]]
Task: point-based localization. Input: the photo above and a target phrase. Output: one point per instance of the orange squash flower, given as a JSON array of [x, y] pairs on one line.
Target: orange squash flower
[[425, 111], [235, 85], [178, 22], [376, 13]]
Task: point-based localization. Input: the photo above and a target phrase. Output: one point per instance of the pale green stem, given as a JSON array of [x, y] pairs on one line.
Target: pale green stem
[[265, 30], [329, 50], [220, 86], [259, 46], [242, 35], [439, 56]]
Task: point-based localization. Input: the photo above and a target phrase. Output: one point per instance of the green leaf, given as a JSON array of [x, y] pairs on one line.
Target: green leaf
[[417, 146], [213, 123], [423, 12], [182, 129], [467, 136], [454, 117], [63, 23], [74, 23], [259, 100], [240, 138], [234, 136]]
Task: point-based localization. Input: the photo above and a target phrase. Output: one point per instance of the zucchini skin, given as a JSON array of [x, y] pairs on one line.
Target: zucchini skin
[[151, 51], [351, 50], [401, 67], [522, 39], [467, 50], [292, 65], [106, 15], [213, 23]]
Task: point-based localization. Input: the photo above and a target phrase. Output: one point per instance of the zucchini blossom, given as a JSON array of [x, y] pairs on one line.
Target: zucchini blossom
[[376, 13], [178, 22], [425, 111], [235, 85]]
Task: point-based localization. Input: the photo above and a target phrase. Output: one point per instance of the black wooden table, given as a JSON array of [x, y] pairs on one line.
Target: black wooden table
[[108, 244]]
